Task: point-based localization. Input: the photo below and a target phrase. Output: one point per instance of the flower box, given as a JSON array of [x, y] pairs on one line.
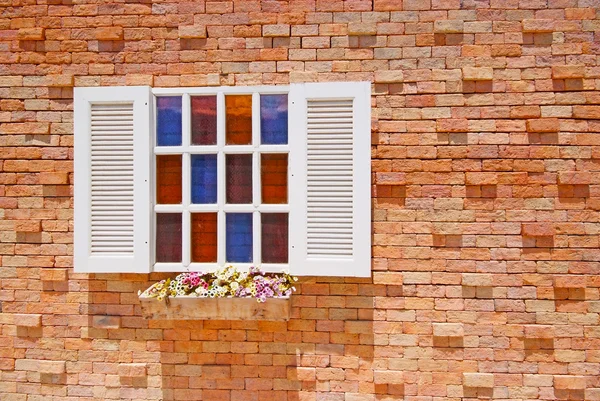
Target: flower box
[[190, 307]]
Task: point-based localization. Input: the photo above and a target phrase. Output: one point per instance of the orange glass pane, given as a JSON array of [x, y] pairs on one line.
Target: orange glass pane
[[168, 179], [273, 175], [238, 119], [204, 237]]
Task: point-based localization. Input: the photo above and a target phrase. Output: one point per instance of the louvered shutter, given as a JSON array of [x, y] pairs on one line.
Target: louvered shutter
[[112, 171], [330, 196]]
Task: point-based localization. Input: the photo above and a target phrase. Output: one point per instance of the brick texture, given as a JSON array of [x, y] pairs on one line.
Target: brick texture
[[486, 200]]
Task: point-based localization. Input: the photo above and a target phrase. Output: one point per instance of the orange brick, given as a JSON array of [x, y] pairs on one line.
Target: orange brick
[[31, 34], [192, 32], [109, 33]]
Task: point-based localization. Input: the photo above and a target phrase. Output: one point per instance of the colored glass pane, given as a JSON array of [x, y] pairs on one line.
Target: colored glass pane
[[274, 237], [168, 179], [274, 119], [238, 119], [204, 178], [239, 178], [273, 176], [168, 121], [238, 241], [168, 237], [204, 120], [204, 237]]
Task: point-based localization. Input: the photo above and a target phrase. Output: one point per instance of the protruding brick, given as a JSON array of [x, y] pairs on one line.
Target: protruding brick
[[192, 32], [538, 229], [539, 25], [362, 28], [543, 125], [478, 380], [28, 319], [448, 26], [52, 367], [25, 128], [477, 279], [448, 330], [478, 73], [388, 377], [109, 33], [31, 34], [54, 274], [279, 30], [133, 369], [389, 76], [62, 80], [565, 382], [570, 281], [568, 71]]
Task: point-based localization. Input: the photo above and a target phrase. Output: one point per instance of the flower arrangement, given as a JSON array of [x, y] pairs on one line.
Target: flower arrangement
[[226, 282]]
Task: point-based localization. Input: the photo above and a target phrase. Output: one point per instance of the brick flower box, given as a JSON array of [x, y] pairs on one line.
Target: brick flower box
[[201, 308]]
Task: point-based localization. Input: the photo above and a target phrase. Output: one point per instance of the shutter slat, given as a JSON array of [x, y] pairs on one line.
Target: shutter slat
[[109, 120], [329, 141]]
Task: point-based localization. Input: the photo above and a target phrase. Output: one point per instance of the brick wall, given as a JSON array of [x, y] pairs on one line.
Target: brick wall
[[486, 191]]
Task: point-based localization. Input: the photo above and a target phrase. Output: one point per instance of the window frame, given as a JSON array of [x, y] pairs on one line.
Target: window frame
[[314, 109], [186, 149]]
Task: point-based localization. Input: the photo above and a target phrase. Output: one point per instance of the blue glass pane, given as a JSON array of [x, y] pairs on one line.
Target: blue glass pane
[[274, 119], [238, 227], [204, 178], [168, 121]]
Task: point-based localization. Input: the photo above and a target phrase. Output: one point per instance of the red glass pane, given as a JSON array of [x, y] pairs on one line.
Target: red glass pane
[[168, 179], [274, 237], [239, 178], [273, 176], [204, 120], [204, 237], [238, 119], [168, 237]]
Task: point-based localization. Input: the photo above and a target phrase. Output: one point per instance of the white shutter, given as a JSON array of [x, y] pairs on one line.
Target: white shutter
[[112, 185], [330, 195]]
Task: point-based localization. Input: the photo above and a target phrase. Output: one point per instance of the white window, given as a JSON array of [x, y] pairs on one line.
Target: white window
[[195, 178]]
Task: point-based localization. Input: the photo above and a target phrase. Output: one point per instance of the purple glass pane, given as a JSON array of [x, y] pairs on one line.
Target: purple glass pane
[[204, 120], [274, 237], [168, 237], [274, 119], [239, 178]]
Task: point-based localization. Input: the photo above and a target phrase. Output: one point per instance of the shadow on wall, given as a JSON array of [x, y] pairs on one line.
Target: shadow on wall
[[335, 344]]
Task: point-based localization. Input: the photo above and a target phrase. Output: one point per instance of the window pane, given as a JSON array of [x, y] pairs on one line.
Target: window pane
[[274, 119], [204, 120], [238, 237], [168, 121], [273, 176], [238, 120], [239, 178], [204, 237], [204, 178], [274, 237], [168, 237], [168, 179]]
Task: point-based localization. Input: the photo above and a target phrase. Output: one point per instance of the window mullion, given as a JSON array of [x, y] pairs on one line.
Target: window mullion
[[186, 181], [256, 184], [221, 237]]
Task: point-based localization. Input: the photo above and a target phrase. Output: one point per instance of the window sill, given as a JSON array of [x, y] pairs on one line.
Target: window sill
[[198, 308]]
